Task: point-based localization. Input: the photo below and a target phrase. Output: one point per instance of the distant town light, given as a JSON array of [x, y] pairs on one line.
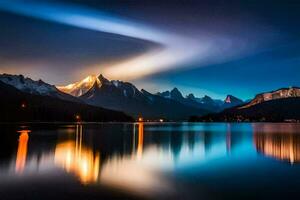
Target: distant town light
[[77, 117], [23, 105], [161, 120], [140, 119]]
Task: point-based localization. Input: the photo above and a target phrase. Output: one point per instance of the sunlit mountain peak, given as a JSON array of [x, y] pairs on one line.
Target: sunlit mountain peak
[[80, 87]]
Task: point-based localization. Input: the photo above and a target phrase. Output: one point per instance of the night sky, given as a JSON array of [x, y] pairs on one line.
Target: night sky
[[204, 47]]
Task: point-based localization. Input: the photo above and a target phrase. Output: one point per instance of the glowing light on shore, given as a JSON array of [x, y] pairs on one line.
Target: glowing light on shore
[[140, 119]]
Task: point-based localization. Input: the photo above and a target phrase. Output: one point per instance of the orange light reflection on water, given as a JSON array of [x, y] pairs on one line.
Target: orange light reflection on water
[[278, 141], [136, 172], [140, 140], [78, 159], [22, 150]]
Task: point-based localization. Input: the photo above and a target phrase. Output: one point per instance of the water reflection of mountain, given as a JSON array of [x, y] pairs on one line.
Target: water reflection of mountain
[[130, 156], [8, 144], [278, 141], [130, 139]]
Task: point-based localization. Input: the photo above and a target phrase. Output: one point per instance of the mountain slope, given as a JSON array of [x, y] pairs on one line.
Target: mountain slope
[[126, 97], [275, 106], [176, 95], [81, 87], [205, 102], [19, 106], [169, 108], [273, 95], [231, 101], [35, 87]]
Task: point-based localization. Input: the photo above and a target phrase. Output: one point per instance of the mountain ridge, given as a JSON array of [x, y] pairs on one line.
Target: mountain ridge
[[39, 87], [79, 88], [205, 102], [171, 105], [274, 94], [126, 97], [22, 106], [276, 106]]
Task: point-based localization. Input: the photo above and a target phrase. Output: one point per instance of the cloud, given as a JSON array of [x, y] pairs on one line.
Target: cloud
[[173, 50]]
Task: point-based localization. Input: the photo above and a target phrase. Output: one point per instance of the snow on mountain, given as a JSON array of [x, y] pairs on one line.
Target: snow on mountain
[[119, 95], [277, 94], [27, 84], [84, 87], [39, 87], [166, 94], [124, 96], [205, 102], [281, 105], [231, 101], [174, 94], [81, 87]]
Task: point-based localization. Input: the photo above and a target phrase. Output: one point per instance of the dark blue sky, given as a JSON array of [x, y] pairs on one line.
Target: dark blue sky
[[223, 47]]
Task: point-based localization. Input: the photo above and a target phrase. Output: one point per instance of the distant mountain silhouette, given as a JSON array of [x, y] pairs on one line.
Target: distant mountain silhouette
[[273, 95], [124, 96], [100, 92], [24, 99], [231, 101], [39, 87], [276, 106], [206, 102], [16, 106]]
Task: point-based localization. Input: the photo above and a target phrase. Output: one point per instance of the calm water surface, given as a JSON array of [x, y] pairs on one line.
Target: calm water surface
[[150, 161]]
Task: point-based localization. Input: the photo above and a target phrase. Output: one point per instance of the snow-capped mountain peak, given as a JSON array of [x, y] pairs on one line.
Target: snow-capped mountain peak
[[282, 93], [92, 82], [27, 85], [231, 101], [81, 87], [39, 87]]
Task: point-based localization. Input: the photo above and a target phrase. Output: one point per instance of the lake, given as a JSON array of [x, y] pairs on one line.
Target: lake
[[150, 161]]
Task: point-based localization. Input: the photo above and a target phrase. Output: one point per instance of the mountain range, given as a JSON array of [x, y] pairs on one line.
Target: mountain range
[[19, 106], [112, 96], [35, 87], [124, 96], [275, 106], [206, 102]]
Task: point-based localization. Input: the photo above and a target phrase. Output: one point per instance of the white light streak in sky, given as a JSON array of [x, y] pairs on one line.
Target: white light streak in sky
[[172, 51]]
